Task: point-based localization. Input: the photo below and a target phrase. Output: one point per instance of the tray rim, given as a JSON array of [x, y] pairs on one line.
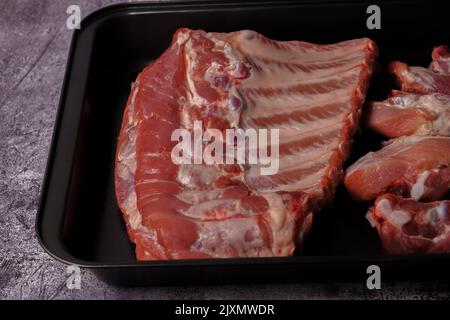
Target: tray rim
[[173, 6]]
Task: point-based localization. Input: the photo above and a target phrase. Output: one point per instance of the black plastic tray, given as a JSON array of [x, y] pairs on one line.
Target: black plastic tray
[[79, 221]]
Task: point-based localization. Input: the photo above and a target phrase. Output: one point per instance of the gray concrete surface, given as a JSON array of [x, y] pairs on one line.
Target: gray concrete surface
[[34, 45]]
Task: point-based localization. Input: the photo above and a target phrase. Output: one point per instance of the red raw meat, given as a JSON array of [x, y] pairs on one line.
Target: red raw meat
[[418, 79], [312, 93], [441, 60], [414, 166], [405, 114], [408, 226]]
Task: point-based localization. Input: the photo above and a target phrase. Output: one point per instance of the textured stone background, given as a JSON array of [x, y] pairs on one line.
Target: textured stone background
[[34, 45]]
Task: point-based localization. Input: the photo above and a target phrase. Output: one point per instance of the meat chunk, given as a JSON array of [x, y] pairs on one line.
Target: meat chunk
[[414, 166], [408, 226], [404, 114], [419, 79], [441, 60], [312, 93]]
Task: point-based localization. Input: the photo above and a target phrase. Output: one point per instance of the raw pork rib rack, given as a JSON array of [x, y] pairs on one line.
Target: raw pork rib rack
[[311, 93]]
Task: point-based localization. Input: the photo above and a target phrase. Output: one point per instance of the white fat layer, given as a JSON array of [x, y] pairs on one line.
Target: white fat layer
[[435, 103], [437, 214], [215, 208], [135, 218], [396, 217], [194, 99], [192, 175], [418, 189], [442, 211], [197, 196], [127, 165], [235, 237], [437, 217], [234, 59], [371, 220], [182, 37], [283, 225]]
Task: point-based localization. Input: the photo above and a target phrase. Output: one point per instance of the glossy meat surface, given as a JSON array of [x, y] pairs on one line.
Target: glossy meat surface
[[414, 166], [404, 114], [311, 93], [408, 226]]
